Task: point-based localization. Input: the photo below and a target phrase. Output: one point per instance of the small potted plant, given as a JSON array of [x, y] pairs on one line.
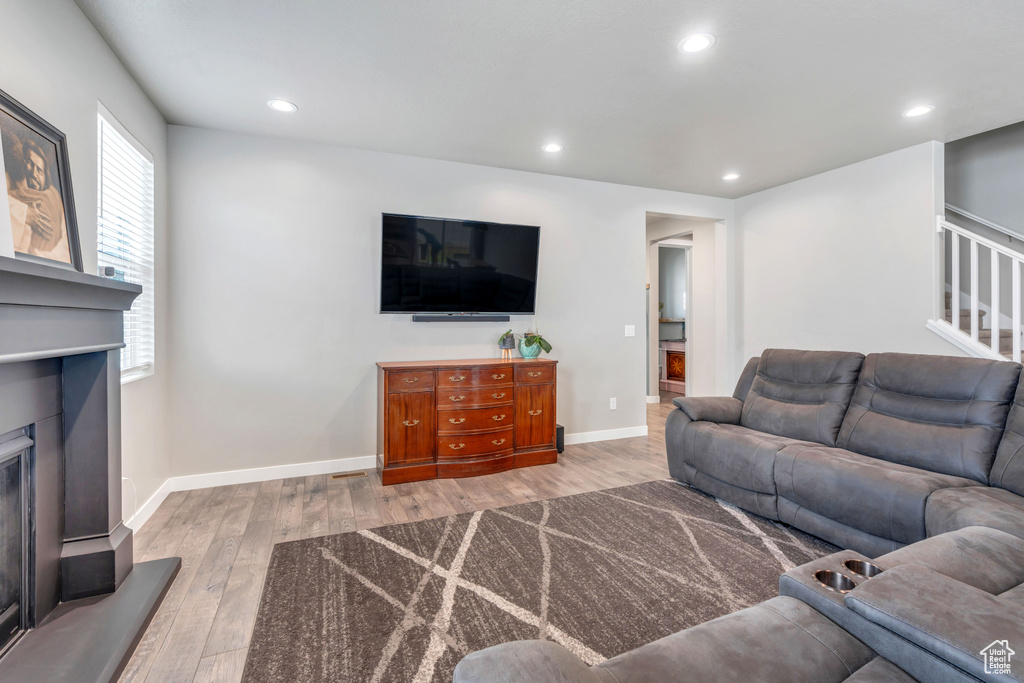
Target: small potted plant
[[531, 344], [507, 342]]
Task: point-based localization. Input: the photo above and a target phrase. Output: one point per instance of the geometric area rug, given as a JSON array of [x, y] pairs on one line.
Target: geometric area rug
[[600, 573]]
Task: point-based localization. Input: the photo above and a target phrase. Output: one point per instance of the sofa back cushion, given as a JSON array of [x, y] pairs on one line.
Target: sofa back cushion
[[801, 394], [1008, 468], [936, 413]]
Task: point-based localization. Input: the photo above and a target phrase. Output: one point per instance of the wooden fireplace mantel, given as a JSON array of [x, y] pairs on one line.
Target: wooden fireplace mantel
[[61, 332], [461, 418]]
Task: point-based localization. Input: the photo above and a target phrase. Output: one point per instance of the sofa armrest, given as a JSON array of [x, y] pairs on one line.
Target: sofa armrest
[[526, 661], [721, 409], [950, 619]]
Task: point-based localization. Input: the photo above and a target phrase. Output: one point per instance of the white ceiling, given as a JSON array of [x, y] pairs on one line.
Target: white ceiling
[[791, 88]]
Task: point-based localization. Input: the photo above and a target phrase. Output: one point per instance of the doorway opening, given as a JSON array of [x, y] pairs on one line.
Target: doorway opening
[[672, 289], [685, 306]]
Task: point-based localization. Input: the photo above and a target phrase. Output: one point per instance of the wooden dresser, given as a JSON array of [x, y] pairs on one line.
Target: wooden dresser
[[461, 418]]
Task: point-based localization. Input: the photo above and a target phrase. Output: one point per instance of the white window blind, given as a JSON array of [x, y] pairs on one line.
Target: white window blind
[[125, 239]]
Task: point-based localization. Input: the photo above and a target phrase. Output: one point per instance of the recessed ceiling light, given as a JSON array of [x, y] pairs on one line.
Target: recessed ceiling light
[[919, 110], [730, 176], [696, 43], [282, 105], [553, 147]]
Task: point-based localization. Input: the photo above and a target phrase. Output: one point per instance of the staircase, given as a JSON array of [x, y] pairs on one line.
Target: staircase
[[984, 335], [983, 327]]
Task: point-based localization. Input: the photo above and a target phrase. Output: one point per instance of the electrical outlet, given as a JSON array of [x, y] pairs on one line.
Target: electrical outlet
[[611, 404], [630, 330]]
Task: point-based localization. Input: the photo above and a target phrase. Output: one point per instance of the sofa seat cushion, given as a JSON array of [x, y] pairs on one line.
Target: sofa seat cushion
[[737, 455], [779, 640], [935, 413], [988, 559], [952, 509], [882, 498], [801, 394]]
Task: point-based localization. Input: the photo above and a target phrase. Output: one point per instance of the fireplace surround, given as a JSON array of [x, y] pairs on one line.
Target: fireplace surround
[[15, 533], [60, 338]]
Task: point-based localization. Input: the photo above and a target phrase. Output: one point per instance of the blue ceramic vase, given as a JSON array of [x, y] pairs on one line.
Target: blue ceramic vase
[[528, 351]]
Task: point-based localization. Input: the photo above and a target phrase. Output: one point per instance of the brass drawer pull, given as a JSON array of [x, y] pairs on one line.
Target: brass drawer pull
[[455, 448], [456, 399], [457, 379], [535, 412], [501, 395], [456, 422], [410, 380], [501, 376], [534, 374], [498, 442], [498, 418], [413, 423]]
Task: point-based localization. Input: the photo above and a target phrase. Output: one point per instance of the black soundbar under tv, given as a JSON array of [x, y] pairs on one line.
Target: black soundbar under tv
[[460, 318]]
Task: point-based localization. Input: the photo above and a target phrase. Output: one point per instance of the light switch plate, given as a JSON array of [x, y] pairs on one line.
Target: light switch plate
[[630, 330]]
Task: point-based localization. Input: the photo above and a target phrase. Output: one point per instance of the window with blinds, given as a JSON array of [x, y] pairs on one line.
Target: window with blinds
[[125, 238]]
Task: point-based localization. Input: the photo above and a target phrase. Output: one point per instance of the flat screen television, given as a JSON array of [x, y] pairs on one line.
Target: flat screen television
[[444, 265]]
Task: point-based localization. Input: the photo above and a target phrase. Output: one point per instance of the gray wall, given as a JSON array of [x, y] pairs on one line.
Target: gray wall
[[276, 260], [985, 176], [56, 64]]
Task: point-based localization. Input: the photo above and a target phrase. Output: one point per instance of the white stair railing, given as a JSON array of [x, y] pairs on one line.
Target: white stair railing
[[971, 338]]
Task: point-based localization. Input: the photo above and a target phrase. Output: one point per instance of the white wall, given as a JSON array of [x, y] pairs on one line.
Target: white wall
[[56, 64], [275, 261], [843, 260], [710, 321]]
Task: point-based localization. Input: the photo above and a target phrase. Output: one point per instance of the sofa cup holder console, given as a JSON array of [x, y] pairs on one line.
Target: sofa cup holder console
[[863, 568], [835, 581]]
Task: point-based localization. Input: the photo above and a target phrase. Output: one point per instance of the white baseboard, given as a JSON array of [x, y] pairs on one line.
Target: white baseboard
[[654, 399], [149, 507], [301, 469], [605, 435], [210, 479]]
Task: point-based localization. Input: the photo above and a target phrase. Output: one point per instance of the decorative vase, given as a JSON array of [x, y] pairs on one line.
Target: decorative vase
[[528, 351]]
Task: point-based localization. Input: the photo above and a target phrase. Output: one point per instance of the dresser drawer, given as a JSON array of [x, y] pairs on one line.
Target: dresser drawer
[[486, 376], [458, 398], [410, 380], [474, 419], [537, 374], [459, 446]]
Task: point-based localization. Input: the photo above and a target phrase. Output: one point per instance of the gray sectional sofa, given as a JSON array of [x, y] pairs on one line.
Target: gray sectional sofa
[[870, 453], [915, 464]]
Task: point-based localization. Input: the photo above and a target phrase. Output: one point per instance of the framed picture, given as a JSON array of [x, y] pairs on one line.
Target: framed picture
[[37, 209]]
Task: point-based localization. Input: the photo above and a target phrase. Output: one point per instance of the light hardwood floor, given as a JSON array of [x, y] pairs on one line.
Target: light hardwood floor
[[224, 536]]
